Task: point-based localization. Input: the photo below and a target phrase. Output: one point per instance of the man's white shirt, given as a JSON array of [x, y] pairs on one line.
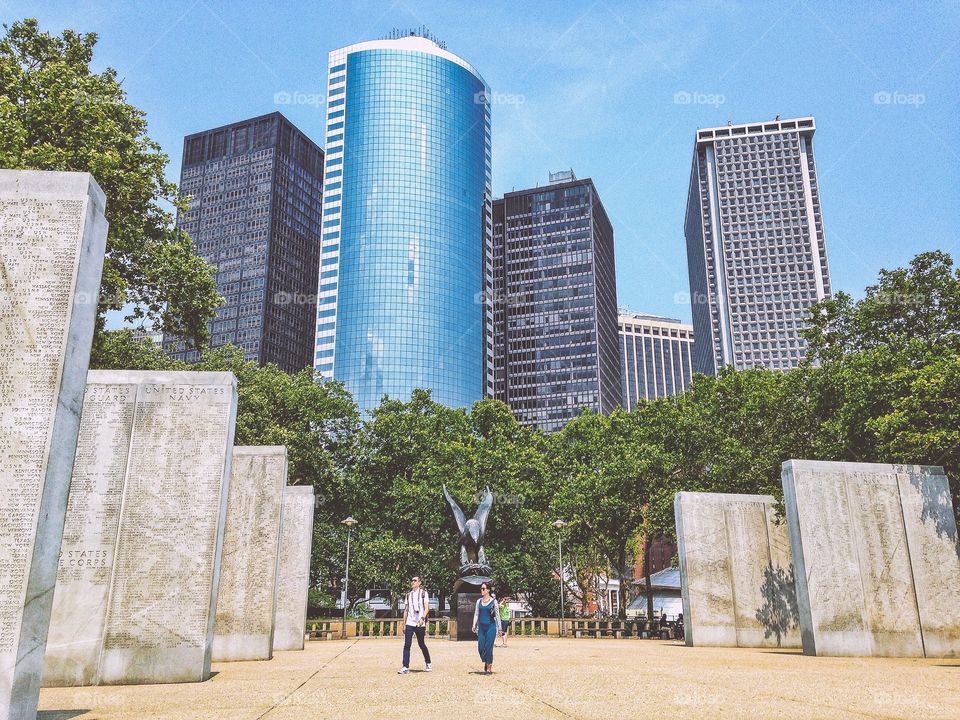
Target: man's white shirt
[[417, 604]]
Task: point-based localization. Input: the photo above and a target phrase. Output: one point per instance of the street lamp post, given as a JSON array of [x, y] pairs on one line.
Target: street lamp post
[[558, 524], [349, 522]]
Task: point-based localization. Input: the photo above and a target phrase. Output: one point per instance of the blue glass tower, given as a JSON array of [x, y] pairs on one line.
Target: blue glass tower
[[406, 223]]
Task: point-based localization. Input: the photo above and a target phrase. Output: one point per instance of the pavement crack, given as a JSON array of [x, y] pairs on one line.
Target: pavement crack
[[312, 676], [532, 697]]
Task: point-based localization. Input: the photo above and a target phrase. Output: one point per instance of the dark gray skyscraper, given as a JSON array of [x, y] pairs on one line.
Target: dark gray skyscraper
[[755, 248], [256, 189], [552, 298]]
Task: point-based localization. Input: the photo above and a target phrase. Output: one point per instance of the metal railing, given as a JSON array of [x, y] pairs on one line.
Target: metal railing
[[519, 627]]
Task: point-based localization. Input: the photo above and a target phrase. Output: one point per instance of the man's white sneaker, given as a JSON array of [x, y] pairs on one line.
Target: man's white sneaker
[[403, 671], [429, 667]]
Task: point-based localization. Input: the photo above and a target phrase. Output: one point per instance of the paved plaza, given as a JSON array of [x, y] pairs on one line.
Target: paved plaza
[[535, 678]]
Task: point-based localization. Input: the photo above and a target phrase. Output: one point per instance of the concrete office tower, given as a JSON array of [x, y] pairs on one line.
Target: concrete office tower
[[656, 356], [406, 222], [755, 248], [256, 189], [553, 297]]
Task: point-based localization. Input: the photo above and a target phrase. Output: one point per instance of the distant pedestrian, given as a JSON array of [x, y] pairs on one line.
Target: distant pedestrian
[[504, 619], [416, 608], [486, 624]]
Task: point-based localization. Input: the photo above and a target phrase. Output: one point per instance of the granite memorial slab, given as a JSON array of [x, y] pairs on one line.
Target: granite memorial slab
[[736, 571], [293, 579], [52, 242], [877, 558], [248, 572], [140, 561], [90, 530]]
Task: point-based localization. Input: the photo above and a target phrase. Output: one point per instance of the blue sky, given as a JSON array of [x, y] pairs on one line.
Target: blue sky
[[600, 87]]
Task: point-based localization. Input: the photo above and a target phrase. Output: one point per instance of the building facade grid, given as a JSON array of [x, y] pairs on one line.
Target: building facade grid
[[656, 357], [255, 202], [755, 245], [552, 300]]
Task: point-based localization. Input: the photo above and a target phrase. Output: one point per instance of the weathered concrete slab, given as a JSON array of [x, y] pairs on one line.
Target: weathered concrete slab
[[52, 239], [296, 543], [736, 571], [246, 602], [877, 558]]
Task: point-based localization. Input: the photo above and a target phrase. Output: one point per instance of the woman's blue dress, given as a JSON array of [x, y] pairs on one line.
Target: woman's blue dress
[[486, 630]]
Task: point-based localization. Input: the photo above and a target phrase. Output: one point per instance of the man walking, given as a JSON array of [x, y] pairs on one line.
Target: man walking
[[416, 608]]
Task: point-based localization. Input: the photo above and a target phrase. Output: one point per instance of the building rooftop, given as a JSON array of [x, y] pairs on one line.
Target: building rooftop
[[776, 125]]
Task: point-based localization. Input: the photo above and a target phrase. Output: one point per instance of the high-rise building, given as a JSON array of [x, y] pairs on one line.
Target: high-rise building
[[256, 188], [755, 248], [406, 222], [552, 297], [656, 357]]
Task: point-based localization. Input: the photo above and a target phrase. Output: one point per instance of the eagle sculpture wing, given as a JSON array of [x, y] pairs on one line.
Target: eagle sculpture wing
[[457, 512], [484, 510]]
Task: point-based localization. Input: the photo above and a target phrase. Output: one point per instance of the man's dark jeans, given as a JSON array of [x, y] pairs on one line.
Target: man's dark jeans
[[408, 632]]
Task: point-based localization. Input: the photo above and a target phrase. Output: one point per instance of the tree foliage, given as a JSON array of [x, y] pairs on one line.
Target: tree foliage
[[57, 114]]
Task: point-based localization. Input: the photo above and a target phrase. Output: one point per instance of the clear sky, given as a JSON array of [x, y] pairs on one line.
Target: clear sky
[[613, 90]]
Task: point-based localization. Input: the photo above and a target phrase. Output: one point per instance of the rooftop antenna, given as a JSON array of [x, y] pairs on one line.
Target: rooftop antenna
[[777, 118]]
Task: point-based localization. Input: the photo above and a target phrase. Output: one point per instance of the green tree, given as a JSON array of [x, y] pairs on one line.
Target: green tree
[[883, 370], [56, 114]]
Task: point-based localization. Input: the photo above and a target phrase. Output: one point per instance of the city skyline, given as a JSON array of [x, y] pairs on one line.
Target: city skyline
[[618, 91]]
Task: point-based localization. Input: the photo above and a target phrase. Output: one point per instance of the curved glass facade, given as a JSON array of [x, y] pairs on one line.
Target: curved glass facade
[[413, 194]]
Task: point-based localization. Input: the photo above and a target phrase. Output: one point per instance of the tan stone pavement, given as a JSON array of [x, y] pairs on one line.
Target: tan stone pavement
[[535, 678]]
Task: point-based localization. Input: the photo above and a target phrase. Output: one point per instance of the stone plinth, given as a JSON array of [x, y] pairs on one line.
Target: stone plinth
[[140, 563], [52, 240], [736, 571], [293, 578], [877, 558], [248, 573]]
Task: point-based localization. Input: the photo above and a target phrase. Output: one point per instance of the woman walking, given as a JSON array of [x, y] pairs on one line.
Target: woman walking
[[504, 619], [486, 624]]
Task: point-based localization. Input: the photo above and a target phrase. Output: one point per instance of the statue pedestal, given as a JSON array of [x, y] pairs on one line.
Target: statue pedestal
[[466, 592]]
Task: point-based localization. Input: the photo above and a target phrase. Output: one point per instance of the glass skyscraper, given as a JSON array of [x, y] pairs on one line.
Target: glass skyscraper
[[406, 223], [553, 296], [755, 248]]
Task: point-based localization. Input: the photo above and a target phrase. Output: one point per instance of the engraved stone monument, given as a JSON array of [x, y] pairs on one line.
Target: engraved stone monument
[[248, 573], [877, 558], [140, 561], [736, 572], [293, 578], [90, 530], [52, 240]]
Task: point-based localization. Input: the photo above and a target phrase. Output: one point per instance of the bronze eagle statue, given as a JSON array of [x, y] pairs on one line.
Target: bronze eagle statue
[[472, 556]]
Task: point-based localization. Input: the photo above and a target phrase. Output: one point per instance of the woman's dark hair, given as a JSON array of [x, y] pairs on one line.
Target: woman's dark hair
[[485, 585]]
